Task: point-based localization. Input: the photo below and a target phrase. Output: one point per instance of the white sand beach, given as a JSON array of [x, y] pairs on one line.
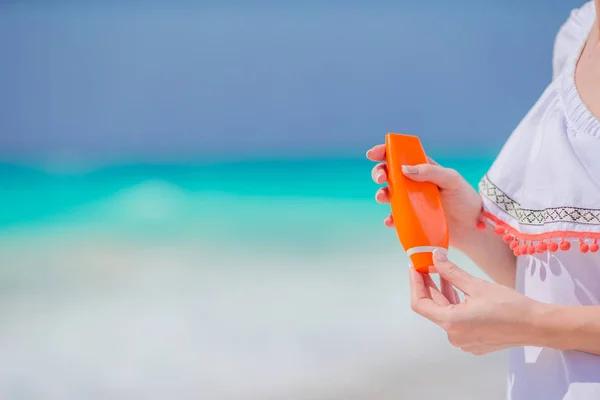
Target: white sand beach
[[98, 319]]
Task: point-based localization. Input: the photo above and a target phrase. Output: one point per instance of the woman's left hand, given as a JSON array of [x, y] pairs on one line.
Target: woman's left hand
[[491, 318]]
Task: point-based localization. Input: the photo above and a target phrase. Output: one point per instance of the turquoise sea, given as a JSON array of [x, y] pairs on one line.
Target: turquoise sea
[[291, 202]]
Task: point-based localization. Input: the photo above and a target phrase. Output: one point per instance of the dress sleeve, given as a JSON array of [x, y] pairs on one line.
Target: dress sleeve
[[571, 34]]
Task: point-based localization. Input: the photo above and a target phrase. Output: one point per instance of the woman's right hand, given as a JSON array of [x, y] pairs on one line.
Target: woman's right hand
[[462, 203]]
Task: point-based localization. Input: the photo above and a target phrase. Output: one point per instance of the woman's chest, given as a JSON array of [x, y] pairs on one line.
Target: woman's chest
[[587, 73]]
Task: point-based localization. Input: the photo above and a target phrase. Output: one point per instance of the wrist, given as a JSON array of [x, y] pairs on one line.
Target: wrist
[[551, 326], [490, 253], [479, 244], [469, 240]]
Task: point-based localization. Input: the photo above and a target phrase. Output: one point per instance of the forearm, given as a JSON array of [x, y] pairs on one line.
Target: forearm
[[567, 328], [492, 255]]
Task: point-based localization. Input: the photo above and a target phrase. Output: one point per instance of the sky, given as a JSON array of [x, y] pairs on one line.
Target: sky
[[185, 80]]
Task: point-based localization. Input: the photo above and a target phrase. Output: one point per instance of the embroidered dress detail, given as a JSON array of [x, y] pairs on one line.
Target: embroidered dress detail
[[523, 243], [536, 217], [552, 241]]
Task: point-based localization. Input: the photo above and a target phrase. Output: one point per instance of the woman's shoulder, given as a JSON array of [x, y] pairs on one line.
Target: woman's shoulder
[[572, 34]]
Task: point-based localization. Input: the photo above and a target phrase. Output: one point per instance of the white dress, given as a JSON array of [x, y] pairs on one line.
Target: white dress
[[543, 195]]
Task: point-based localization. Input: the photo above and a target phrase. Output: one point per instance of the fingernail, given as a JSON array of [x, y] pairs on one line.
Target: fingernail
[[378, 178], [440, 255], [410, 169]]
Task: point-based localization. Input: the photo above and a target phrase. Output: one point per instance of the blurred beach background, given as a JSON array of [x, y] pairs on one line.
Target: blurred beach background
[[185, 207]]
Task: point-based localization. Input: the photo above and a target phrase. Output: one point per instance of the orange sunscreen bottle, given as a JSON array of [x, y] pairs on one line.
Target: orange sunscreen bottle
[[416, 206]]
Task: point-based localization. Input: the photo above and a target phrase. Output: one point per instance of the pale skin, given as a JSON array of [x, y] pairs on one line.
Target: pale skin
[[494, 316]]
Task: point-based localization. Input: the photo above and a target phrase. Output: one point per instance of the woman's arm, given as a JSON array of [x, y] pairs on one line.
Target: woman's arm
[[568, 327], [492, 255]]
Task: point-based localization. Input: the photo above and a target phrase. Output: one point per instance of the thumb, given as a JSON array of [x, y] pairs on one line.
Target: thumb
[[445, 178], [457, 277]]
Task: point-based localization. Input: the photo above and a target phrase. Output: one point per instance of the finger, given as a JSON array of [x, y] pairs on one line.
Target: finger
[[420, 298], [418, 290], [480, 350], [462, 280], [379, 173], [389, 221], [377, 153], [382, 195], [435, 294], [445, 178], [449, 292]]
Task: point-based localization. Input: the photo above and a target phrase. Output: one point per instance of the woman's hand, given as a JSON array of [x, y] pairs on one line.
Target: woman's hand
[[461, 202], [492, 317]]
